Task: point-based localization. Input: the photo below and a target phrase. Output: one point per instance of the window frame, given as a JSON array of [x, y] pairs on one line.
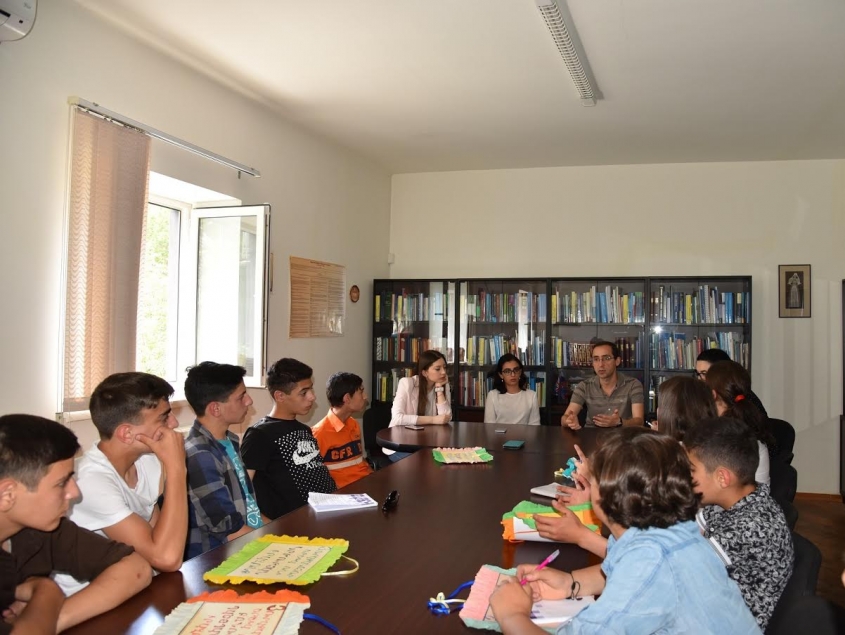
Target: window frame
[[261, 212]]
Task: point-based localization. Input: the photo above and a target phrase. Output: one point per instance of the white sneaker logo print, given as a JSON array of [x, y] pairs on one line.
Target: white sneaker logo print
[[305, 452]]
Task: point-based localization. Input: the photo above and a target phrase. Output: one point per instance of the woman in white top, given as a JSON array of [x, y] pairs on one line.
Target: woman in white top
[[511, 401], [423, 399], [731, 385]]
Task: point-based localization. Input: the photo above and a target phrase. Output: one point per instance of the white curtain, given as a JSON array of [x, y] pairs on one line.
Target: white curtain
[[108, 192]]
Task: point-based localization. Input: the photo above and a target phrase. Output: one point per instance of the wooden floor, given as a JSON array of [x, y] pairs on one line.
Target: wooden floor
[[823, 523]]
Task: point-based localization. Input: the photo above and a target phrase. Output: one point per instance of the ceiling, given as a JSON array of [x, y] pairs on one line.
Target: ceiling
[[430, 85]]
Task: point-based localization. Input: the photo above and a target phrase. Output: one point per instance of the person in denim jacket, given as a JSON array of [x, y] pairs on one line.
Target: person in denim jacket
[[660, 575]]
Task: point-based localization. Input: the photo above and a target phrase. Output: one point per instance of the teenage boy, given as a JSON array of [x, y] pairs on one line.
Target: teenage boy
[[611, 399], [339, 435], [121, 476], [280, 453], [221, 501], [36, 487], [739, 517], [659, 576]]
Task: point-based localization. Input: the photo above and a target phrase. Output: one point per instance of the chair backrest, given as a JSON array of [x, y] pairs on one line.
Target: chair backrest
[[807, 614], [784, 481], [802, 582], [790, 513], [376, 418], [784, 435]]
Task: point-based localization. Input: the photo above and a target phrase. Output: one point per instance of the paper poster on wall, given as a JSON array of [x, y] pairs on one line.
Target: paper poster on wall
[[317, 298]]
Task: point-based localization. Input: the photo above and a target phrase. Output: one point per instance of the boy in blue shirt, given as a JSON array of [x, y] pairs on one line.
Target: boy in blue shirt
[[660, 575], [221, 500]]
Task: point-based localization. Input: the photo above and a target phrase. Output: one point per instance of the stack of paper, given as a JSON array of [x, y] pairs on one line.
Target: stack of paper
[[338, 502], [550, 490]]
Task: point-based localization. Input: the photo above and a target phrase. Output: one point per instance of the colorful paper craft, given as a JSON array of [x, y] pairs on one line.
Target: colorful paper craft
[[271, 559], [548, 614], [261, 613], [461, 455], [519, 523]]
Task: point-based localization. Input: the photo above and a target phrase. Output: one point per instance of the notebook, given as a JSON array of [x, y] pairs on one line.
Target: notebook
[[338, 502], [548, 614]]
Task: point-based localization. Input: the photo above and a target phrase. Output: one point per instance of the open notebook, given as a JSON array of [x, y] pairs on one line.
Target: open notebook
[[548, 614]]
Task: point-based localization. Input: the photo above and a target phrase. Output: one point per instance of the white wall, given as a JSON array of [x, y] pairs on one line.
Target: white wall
[[328, 203], [676, 220]]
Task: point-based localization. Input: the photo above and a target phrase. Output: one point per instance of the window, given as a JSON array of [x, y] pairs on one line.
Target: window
[[201, 294], [158, 292], [202, 287]]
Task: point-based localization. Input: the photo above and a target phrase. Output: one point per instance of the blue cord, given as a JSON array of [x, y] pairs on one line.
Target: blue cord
[[465, 585], [320, 620], [445, 606]]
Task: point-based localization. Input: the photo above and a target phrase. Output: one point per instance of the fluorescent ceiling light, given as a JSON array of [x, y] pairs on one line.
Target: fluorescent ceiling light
[[566, 40]]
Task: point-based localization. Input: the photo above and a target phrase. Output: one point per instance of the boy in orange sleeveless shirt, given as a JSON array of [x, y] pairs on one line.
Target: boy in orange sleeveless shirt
[[339, 435]]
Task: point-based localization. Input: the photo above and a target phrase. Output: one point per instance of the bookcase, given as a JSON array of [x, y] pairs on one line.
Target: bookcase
[[582, 311], [409, 317], [660, 325], [497, 317], [688, 315]]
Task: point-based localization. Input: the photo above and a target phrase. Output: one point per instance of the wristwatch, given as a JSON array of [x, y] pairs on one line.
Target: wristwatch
[[439, 389]]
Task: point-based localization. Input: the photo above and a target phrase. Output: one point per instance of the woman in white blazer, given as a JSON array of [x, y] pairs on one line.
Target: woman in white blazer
[[423, 399]]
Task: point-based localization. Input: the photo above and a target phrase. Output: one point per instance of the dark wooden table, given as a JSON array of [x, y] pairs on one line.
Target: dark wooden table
[[462, 434], [446, 525]]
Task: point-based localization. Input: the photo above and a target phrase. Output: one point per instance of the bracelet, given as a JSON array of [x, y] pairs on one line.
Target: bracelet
[[575, 589], [439, 389]]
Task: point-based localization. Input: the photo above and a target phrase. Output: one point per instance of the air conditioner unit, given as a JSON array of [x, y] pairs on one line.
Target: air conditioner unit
[[16, 19]]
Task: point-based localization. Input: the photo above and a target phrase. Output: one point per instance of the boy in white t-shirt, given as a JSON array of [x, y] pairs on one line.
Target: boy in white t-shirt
[[139, 456]]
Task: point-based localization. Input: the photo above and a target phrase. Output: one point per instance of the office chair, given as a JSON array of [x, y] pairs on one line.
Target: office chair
[[376, 418], [808, 614], [784, 435], [784, 481], [802, 583]]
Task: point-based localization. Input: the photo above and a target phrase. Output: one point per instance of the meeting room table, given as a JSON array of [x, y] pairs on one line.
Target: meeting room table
[[446, 525]]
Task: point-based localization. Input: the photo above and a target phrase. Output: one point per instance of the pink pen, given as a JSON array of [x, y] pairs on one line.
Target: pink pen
[[551, 557]]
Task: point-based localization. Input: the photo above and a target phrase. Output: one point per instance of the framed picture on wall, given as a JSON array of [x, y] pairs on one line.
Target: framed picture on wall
[[794, 291]]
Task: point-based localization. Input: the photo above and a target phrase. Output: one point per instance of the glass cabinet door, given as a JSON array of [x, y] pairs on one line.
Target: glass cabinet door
[[586, 311], [498, 317], [410, 317]]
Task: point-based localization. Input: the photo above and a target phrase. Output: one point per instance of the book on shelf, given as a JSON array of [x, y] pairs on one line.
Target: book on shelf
[[410, 307], [678, 351], [580, 353], [387, 382], [610, 305], [522, 307], [474, 386], [707, 305], [483, 350]]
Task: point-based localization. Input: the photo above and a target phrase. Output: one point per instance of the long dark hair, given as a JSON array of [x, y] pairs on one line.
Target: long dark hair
[[732, 384], [427, 359], [496, 373], [683, 401]]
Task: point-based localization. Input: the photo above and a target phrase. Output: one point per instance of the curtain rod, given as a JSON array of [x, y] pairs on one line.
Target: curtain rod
[[158, 134]]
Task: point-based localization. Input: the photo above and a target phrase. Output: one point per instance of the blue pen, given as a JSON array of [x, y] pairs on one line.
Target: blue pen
[[551, 557]]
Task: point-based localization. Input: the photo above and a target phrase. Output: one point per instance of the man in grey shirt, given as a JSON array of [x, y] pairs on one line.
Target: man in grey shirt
[[611, 399]]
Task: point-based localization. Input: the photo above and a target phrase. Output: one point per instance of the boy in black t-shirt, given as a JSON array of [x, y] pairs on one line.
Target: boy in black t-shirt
[[36, 488], [280, 454]]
